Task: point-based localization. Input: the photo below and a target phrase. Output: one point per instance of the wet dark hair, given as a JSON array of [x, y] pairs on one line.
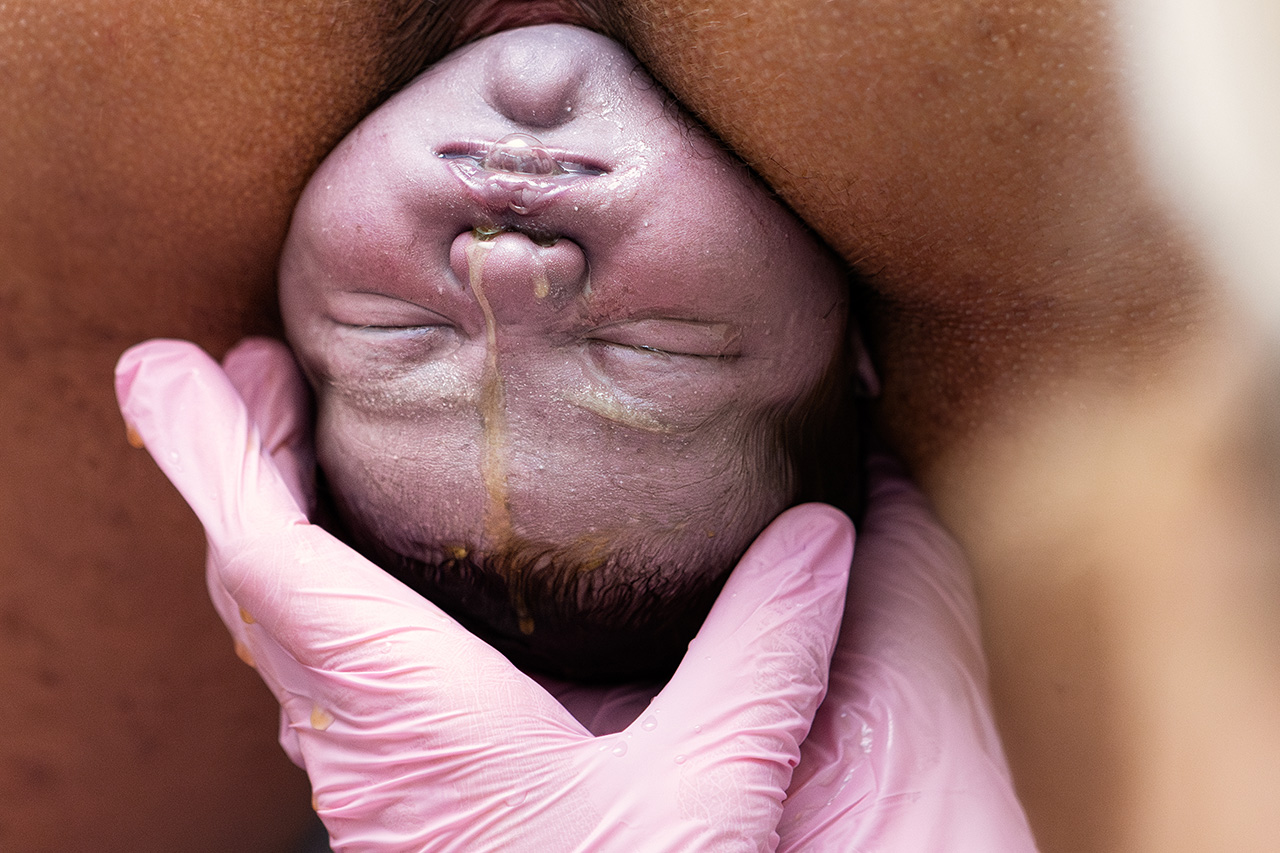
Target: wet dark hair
[[566, 611]]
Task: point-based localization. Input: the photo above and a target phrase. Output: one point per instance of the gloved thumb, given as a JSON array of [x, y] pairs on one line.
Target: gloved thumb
[[745, 695], [195, 425]]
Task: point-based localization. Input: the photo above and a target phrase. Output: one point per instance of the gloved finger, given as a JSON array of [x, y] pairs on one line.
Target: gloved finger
[[194, 424], [757, 670], [275, 395], [323, 603], [911, 597], [264, 373]]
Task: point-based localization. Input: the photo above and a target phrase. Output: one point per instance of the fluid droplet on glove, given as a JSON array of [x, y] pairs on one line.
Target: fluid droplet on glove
[[320, 718]]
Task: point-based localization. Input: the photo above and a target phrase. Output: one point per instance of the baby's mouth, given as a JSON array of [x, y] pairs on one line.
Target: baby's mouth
[[517, 173]]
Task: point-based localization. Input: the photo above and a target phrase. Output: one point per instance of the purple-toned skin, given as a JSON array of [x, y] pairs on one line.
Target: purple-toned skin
[[588, 360]]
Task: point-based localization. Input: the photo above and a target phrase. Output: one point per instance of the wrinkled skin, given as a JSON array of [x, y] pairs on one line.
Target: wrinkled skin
[[604, 395], [1042, 313]]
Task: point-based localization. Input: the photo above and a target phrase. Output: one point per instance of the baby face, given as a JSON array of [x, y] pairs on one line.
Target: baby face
[[555, 371]]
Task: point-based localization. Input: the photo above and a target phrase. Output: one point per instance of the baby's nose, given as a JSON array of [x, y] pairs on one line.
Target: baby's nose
[[532, 83], [517, 281]]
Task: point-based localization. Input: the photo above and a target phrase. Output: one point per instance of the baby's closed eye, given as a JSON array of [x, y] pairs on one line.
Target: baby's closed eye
[[670, 337], [369, 310]]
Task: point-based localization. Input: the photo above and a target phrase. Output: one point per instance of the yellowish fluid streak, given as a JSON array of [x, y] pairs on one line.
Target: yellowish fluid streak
[[611, 408], [493, 409], [493, 414], [541, 285]]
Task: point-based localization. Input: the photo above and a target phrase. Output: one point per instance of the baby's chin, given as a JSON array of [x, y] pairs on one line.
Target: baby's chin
[[596, 616]]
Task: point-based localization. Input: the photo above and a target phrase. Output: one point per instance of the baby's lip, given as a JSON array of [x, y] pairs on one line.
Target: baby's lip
[[523, 183], [570, 162]]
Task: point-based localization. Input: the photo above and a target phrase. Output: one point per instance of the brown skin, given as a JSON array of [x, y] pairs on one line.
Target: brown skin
[[154, 152], [1059, 373], [1034, 324]]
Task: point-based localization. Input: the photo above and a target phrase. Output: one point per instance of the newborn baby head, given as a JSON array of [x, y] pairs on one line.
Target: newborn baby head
[[569, 356]]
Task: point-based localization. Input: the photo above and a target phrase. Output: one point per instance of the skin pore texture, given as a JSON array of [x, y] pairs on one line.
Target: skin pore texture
[[554, 375], [1058, 367]]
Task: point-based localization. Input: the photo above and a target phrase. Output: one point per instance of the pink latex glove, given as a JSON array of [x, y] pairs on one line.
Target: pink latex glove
[[903, 755], [417, 735]]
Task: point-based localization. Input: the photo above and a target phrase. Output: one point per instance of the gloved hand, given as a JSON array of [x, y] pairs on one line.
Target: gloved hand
[[418, 736], [903, 754]]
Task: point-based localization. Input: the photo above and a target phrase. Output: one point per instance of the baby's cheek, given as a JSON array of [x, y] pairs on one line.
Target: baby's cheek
[[397, 483], [687, 498]]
